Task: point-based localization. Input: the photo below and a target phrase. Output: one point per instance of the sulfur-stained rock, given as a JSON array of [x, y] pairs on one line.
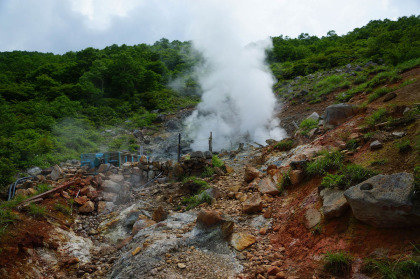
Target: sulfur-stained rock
[[87, 207], [209, 218], [240, 241]]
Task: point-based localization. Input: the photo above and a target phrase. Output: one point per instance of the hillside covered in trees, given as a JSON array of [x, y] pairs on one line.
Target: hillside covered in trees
[[53, 107]]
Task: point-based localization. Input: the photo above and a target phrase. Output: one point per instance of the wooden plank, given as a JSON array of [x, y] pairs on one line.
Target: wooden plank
[[47, 193]]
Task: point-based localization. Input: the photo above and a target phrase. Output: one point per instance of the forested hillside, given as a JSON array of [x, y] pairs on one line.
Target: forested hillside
[[53, 107]]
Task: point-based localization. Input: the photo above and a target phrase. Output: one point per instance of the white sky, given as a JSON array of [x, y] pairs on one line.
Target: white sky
[[62, 25]]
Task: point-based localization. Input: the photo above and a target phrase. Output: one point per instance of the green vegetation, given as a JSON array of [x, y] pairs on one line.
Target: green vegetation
[[352, 144], [379, 93], [338, 263], [380, 41], [307, 125], [381, 115], [208, 172], [379, 162], [347, 176], [403, 146], [37, 210], [284, 145], [62, 208], [217, 162], [327, 161], [202, 185], [285, 181], [54, 107], [41, 188], [193, 201], [392, 269]]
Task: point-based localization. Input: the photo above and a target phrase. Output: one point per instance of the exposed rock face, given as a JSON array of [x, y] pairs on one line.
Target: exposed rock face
[[334, 203], [251, 173], [338, 114], [267, 186], [384, 201], [111, 186], [253, 204]]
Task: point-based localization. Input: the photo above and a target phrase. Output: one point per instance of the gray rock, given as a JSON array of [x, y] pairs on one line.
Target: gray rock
[[312, 218], [334, 204], [267, 186], [34, 171], [338, 114], [56, 173], [358, 69], [197, 155], [138, 134], [111, 186], [384, 201], [388, 97], [375, 145], [399, 134], [208, 155], [314, 116]]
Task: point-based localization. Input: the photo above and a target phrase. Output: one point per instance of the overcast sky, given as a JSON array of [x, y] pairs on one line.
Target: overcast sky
[[59, 26]]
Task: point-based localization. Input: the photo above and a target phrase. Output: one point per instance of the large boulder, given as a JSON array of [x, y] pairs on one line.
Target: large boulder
[[338, 114], [251, 173], [384, 201], [267, 186], [253, 204], [334, 204]]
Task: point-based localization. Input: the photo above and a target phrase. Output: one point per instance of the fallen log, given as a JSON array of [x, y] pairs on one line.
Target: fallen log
[[45, 194]]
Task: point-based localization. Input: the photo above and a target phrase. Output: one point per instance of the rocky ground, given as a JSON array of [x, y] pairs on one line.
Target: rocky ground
[[265, 216]]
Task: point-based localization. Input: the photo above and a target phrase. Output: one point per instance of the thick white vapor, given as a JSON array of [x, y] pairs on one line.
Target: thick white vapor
[[237, 102]]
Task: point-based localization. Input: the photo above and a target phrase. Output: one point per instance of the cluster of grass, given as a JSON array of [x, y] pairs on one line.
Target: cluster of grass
[[36, 210], [41, 188], [379, 162], [285, 181], [284, 145], [62, 208], [338, 264], [217, 162], [195, 200], [347, 176], [379, 93], [352, 144], [208, 172], [307, 125], [392, 269], [381, 115], [403, 146], [328, 161], [330, 84], [201, 196]]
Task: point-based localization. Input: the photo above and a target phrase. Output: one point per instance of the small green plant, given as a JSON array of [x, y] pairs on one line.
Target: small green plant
[[208, 172], [284, 145], [328, 161], [217, 162], [41, 188], [332, 180], [352, 144], [62, 208], [338, 263], [403, 146], [13, 203], [379, 93], [368, 136], [379, 162], [307, 125], [392, 269], [195, 200], [285, 180], [378, 116], [36, 210], [202, 185], [317, 230]]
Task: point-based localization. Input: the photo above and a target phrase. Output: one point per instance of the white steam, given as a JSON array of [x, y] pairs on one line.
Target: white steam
[[238, 104]]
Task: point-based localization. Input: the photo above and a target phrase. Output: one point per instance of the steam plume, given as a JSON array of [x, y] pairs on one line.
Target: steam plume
[[237, 102]]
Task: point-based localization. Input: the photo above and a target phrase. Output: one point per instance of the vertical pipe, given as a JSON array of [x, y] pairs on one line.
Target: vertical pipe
[[179, 147]]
